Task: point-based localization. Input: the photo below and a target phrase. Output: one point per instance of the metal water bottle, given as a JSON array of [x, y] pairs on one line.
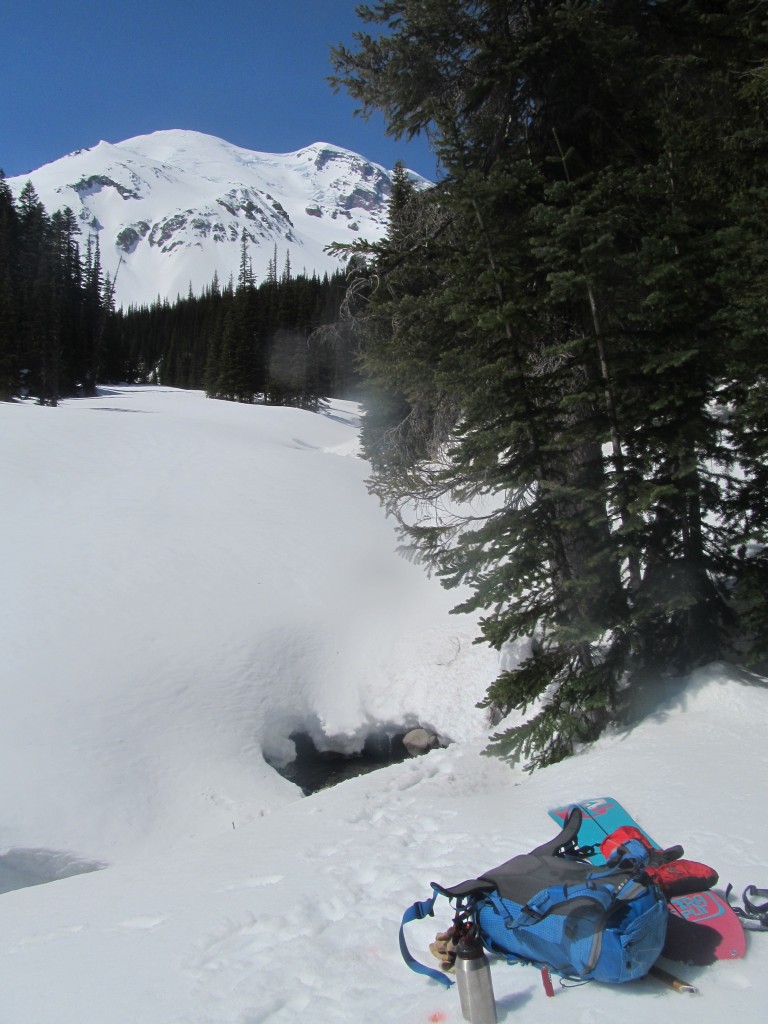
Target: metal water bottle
[[473, 976]]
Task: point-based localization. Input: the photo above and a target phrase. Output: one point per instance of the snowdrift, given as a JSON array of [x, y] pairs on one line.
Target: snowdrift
[[185, 583]]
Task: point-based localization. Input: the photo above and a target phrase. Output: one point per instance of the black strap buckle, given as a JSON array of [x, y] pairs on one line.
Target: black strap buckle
[[753, 916]]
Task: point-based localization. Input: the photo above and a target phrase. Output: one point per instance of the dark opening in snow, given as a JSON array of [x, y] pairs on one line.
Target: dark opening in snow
[[25, 866], [314, 769]]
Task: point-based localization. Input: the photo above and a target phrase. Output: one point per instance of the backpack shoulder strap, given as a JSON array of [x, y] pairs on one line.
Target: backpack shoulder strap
[[418, 912], [566, 837]]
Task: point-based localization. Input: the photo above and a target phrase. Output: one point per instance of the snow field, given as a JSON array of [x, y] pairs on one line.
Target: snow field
[[186, 581]]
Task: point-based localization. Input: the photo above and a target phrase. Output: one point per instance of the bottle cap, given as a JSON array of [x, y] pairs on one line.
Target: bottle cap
[[470, 947]]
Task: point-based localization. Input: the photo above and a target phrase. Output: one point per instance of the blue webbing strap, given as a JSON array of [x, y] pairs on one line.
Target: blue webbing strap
[[537, 908], [633, 853], [417, 913]]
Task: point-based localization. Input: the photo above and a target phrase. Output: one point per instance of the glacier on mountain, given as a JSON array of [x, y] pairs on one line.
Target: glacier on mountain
[[172, 208]]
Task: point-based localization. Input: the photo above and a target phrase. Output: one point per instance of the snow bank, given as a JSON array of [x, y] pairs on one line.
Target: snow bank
[[185, 581]]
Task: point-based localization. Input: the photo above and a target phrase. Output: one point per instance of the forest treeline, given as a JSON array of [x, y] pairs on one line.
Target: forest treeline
[[245, 342], [54, 302], [248, 341], [566, 338]]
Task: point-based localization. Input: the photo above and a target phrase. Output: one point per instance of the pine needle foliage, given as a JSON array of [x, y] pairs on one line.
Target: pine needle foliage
[[53, 302], [567, 335]]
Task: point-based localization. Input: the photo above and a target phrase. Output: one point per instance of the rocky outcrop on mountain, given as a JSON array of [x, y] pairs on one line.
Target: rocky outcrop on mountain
[[174, 208]]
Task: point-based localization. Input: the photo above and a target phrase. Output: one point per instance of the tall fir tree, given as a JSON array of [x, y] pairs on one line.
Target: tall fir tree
[[9, 232], [570, 302]]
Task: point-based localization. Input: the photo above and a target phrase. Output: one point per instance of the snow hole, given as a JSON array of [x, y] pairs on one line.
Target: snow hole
[[313, 769], [22, 867]]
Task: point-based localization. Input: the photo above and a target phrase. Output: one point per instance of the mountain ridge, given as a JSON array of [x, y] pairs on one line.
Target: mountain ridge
[[172, 208]]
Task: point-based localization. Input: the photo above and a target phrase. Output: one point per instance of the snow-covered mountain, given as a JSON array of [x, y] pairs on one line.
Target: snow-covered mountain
[[171, 208]]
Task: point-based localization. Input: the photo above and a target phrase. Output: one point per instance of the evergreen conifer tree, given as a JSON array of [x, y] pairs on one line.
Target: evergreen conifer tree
[[574, 300], [9, 229]]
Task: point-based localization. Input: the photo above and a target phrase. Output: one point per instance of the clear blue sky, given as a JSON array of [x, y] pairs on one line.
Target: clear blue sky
[[253, 72]]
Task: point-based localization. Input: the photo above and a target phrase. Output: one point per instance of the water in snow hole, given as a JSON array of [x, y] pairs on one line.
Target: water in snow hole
[[313, 769]]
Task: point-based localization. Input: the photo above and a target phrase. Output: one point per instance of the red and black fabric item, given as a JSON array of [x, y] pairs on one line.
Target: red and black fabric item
[[674, 875]]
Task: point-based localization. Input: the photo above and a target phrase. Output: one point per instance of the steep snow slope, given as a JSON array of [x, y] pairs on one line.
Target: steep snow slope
[[171, 208], [195, 580]]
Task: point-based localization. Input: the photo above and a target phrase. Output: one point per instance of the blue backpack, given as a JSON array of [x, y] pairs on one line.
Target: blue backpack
[[550, 909]]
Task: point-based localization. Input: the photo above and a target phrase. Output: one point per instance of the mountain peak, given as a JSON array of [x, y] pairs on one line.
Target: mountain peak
[[173, 207]]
